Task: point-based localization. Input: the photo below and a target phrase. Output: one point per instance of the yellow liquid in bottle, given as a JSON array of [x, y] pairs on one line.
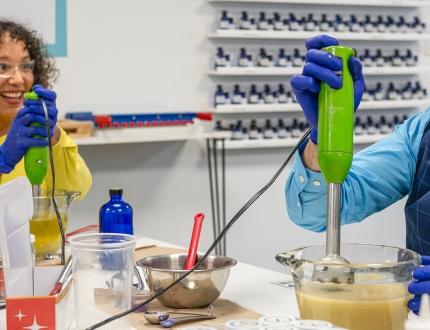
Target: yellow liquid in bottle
[[47, 233], [356, 306]]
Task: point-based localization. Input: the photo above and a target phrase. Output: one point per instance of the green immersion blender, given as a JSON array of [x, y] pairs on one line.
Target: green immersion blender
[[335, 149], [36, 161]]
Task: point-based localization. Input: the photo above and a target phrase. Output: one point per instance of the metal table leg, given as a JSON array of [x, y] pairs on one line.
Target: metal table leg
[[217, 189]]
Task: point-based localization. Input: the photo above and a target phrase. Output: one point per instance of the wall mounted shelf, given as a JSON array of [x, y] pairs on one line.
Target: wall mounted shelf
[[148, 134], [302, 35], [364, 3], [294, 107], [289, 71], [291, 142]]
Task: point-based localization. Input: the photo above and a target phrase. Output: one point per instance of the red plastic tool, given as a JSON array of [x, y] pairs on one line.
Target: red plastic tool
[[195, 236], [64, 275]]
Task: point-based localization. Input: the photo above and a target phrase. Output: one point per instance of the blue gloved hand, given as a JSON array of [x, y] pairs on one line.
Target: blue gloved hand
[[49, 97], [420, 285], [20, 137], [320, 66]]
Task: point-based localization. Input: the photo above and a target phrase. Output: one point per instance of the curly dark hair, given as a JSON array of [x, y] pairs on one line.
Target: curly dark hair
[[45, 72]]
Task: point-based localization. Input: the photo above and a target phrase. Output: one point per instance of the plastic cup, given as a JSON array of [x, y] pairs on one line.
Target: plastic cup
[[102, 276]]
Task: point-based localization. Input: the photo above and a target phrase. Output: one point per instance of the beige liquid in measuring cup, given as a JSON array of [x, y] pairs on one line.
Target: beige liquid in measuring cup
[[356, 306]]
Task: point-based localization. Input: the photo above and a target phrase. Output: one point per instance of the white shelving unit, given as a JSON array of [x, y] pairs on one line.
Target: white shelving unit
[[294, 107], [303, 35], [365, 3], [289, 71], [241, 37], [149, 134], [283, 143]]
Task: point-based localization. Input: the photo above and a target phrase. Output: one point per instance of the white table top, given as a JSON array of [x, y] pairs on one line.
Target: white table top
[[249, 286]]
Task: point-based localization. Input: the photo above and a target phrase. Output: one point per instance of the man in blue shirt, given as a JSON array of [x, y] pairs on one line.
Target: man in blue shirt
[[380, 175]]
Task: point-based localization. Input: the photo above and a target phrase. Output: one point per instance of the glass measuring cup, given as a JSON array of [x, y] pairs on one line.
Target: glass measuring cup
[[44, 223], [102, 266], [377, 300]]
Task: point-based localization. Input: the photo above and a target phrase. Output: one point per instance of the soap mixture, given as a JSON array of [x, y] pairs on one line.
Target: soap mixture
[[355, 306], [47, 234]]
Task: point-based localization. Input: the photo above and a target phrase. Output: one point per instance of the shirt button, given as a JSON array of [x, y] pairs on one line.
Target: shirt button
[[316, 183], [298, 203], [301, 179]]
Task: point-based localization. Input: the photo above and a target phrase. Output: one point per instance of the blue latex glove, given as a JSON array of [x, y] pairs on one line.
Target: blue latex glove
[[320, 66], [49, 97], [420, 285], [20, 137]]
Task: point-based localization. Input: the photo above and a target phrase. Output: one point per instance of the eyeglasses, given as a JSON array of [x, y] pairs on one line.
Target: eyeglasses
[[8, 70]]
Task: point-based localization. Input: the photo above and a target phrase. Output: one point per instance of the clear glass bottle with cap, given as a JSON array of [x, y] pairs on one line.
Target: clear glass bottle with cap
[[116, 216]]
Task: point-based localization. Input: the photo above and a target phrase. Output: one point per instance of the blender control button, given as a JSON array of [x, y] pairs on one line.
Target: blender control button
[[301, 179], [316, 183]]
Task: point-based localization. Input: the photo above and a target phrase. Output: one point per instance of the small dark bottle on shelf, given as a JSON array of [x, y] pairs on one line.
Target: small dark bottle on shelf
[[116, 216], [325, 25]]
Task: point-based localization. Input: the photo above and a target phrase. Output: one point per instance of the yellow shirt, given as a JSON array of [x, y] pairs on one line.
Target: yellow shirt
[[71, 171]]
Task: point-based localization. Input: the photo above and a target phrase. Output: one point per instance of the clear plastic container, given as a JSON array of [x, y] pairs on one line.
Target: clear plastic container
[[102, 276], [377, 300]]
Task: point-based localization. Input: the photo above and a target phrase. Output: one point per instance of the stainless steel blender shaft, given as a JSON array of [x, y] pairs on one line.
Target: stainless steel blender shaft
[[36, 190], [333, 219], [334, 268]]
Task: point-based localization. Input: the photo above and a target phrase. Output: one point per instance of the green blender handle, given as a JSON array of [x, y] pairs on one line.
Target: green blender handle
[[336, 122], [36, 158]]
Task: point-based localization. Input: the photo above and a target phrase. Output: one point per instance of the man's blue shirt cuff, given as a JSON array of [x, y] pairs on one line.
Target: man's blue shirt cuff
[[306, 179]]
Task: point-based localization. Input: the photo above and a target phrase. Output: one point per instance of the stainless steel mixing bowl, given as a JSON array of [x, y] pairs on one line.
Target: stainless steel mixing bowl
[[199, 289]]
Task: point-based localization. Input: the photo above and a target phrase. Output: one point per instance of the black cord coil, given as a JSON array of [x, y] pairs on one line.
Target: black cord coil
[[54, 202]]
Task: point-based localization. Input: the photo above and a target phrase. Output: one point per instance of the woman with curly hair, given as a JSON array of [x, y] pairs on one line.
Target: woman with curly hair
[[25, 66]]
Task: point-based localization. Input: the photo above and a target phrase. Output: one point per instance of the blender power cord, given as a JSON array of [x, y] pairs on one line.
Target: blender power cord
[[54, 202], [214, 244]]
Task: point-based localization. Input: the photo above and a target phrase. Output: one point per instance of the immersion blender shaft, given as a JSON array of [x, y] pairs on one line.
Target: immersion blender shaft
[[333, 219]]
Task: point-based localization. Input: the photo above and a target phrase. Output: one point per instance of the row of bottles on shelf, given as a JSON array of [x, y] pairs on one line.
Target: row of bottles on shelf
[[295, 128], [382, 58], [323, 23], [267, 94], [263, 58], [391, 91]]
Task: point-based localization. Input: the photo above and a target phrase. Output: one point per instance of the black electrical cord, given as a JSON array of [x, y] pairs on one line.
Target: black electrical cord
[[54, 202], [214, 244]]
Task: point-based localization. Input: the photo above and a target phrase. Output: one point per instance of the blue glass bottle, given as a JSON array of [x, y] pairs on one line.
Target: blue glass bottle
[[116, 216]]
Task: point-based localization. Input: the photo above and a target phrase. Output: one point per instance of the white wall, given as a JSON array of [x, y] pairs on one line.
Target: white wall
[[134, 55]]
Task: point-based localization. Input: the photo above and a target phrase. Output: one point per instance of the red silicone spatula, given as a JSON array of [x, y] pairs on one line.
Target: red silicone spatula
[[195, 236]]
